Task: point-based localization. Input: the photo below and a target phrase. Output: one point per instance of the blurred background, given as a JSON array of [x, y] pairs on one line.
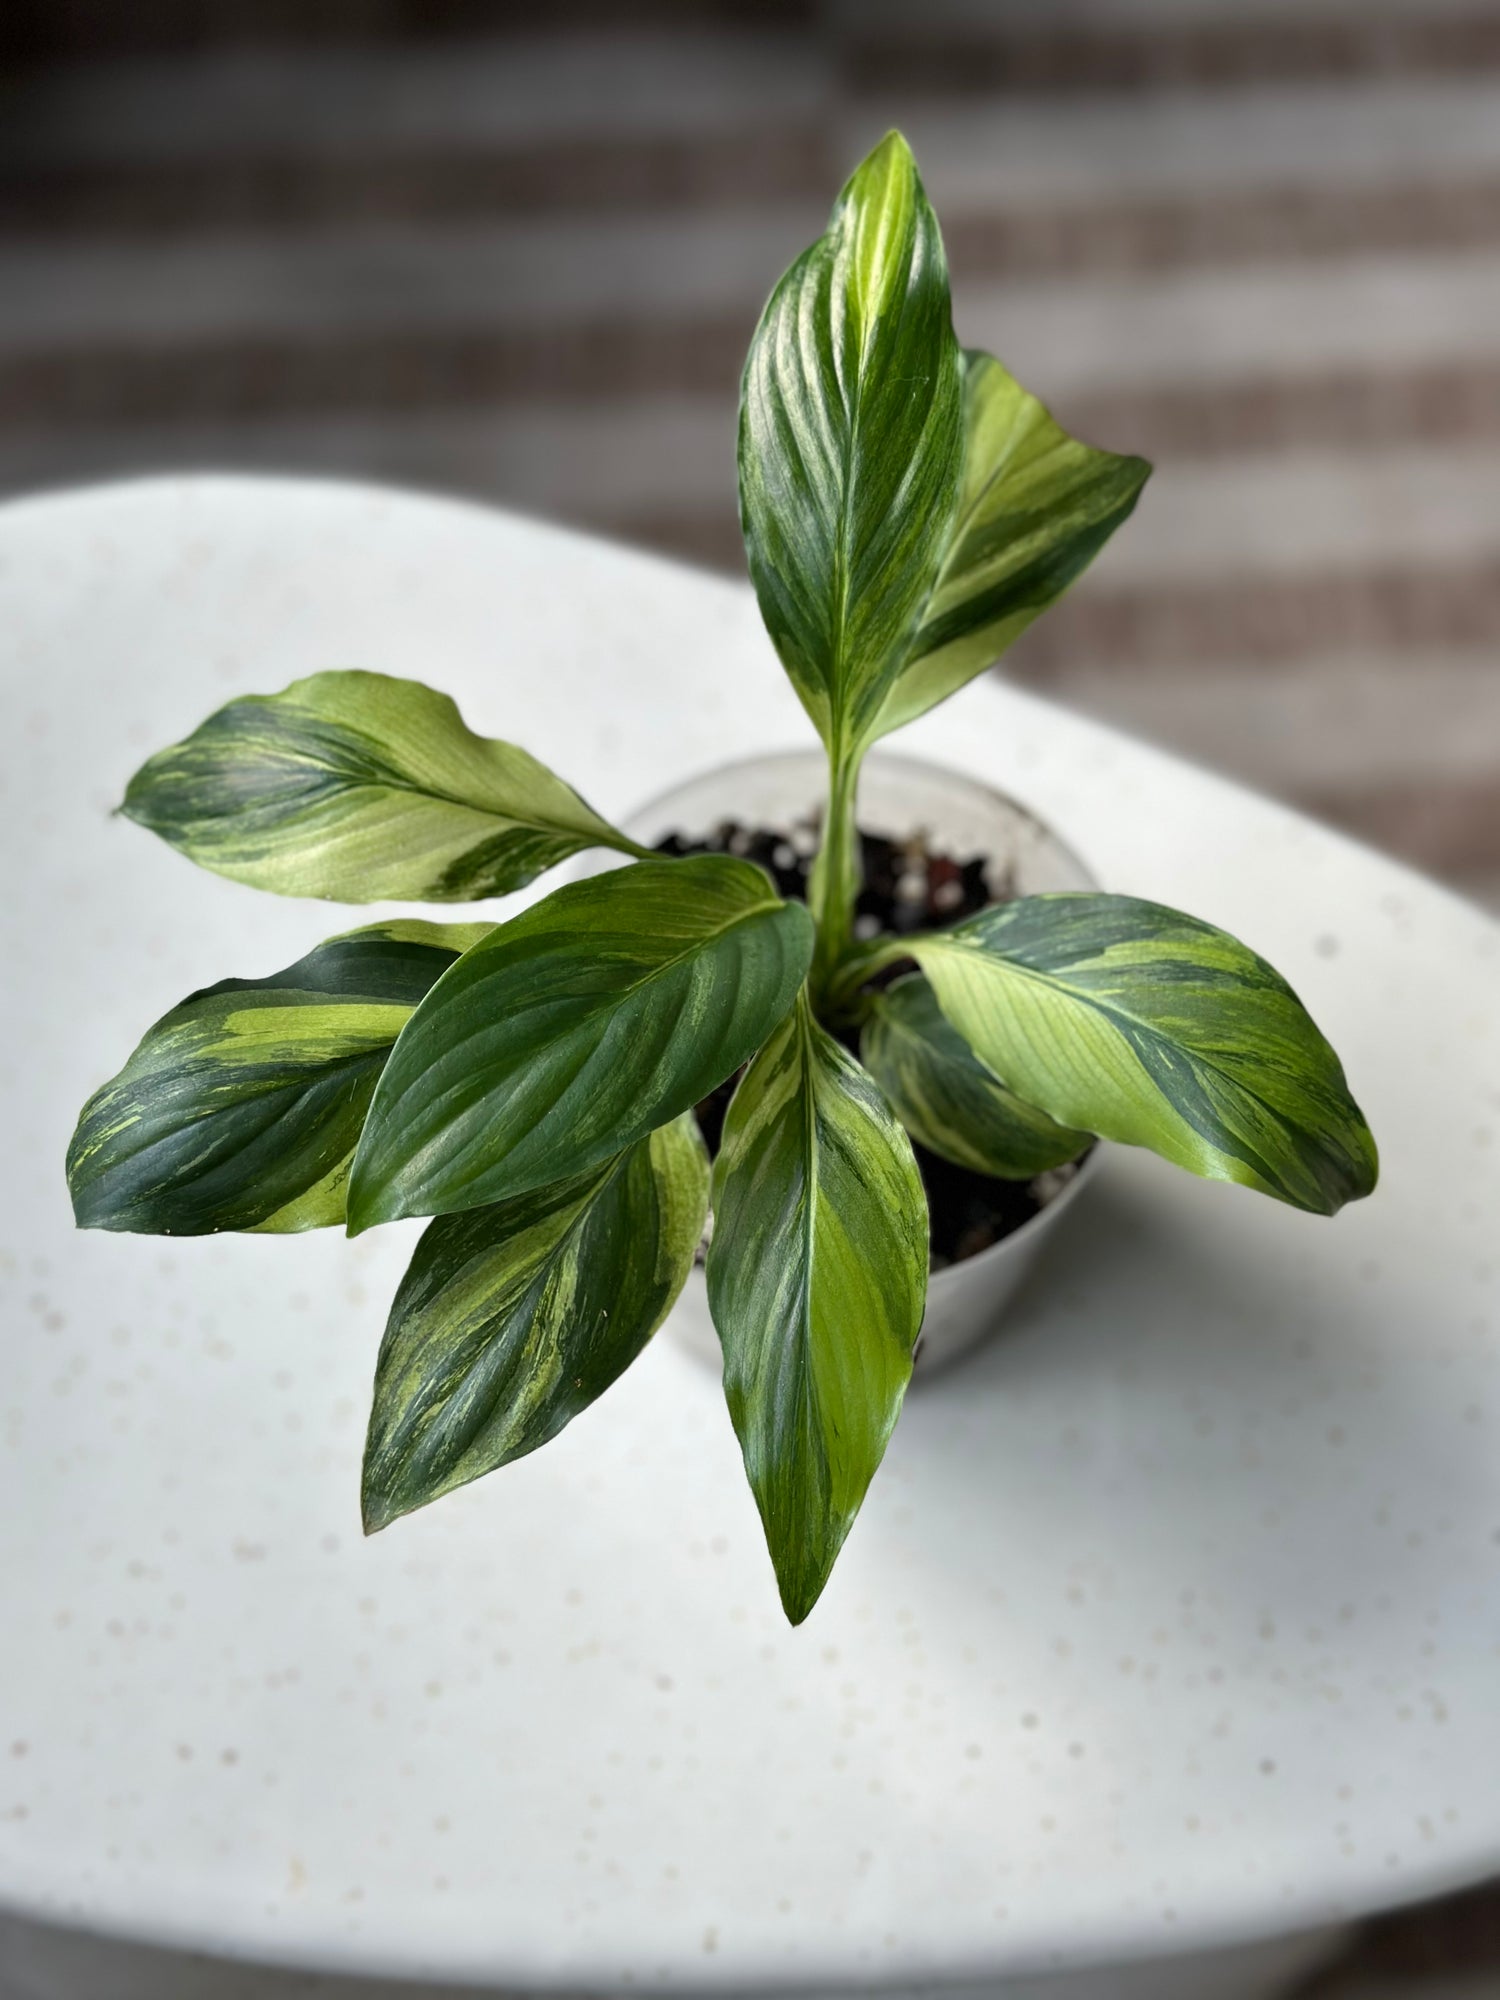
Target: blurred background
[[517, 252]]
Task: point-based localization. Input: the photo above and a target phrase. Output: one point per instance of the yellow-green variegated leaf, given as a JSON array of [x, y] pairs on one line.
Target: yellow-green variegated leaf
[[513, 1318], [241, 1108], [1141, 1024], [572, 1031], [1036, 507], [817, 1277], [851, 444], [361, 788], [947, 1098]]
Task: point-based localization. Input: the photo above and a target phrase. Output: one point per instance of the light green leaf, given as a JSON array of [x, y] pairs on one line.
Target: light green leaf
[[513, 1318], [361, 788], [947, 1098], [1133, 1021], [1036, 508], [851, 443], [817, 1277], [574, 1030], [242, 1107]]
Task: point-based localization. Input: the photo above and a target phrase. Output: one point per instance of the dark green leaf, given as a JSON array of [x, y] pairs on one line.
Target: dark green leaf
[[242, 1107], [361, 788], [817, 1276], [1133, 1021], [513, 1318], [947, 1098], [1036, 508], [574, 1030], [851, 444]]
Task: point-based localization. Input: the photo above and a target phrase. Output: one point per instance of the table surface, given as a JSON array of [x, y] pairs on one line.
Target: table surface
[[1175, 1618]]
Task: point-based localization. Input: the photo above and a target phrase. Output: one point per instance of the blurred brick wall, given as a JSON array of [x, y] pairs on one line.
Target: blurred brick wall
[[418, 240]]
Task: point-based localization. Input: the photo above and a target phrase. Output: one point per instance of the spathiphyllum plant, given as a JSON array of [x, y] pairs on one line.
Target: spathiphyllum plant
[[530, 1084]]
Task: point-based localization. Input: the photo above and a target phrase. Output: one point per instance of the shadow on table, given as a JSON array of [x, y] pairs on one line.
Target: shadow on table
[[45, 1962], [1171, 1362]]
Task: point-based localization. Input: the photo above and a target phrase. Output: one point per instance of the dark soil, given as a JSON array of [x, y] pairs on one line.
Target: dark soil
[[906, 888]]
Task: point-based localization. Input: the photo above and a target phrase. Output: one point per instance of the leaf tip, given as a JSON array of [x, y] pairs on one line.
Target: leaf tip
[[362, 1212], [803, 1566], [894, 147], [367, 1202], [800, 1591], [1366, 1176], [1353, 1170], [891, 163], [142, 780]]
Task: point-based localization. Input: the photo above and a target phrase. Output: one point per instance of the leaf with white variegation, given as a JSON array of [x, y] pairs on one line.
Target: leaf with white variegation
[[851, 445], [362, 788], [817, 1277], [1035, 508], [1138, 1023], [241, 1108], [572, 1031], [513, 1318], [947, 1098]]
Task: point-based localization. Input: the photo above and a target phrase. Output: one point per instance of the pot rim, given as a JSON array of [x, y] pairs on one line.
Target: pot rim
[[1022, 1238], [1019, 1241], [896, 760]]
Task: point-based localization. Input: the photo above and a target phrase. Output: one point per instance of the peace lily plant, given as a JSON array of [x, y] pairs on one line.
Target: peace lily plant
[[908, 509]]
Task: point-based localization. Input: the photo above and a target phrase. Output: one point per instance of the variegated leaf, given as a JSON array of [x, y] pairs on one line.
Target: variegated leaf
[[1141, 1024], [1036, 507], [851, 444], [513, 1318], [242, 1107], [947, 1098], [575, 1029], [361, 788], [817, 1277]]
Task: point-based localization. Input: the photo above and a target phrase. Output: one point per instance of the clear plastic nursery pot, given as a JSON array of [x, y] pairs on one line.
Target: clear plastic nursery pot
[[898, 797]]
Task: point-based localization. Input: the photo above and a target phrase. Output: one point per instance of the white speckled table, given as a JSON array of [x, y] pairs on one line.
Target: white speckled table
[[1172, 1622]]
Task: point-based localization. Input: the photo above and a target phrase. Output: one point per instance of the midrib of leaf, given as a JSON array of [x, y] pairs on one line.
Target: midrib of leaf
[[531, 1291], [1242, 1148], [1110, 1009], [810, 1226], [282, 1098], [838, 749], [392, 780], [852, 404], [638, 985], [688, 951]]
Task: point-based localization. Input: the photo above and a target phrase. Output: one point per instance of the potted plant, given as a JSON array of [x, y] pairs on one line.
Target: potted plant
[[935, 847], [531, 1084]]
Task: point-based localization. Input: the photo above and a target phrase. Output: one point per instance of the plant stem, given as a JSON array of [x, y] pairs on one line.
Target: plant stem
[[625, 845], [843, 1001], [838, 871]]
